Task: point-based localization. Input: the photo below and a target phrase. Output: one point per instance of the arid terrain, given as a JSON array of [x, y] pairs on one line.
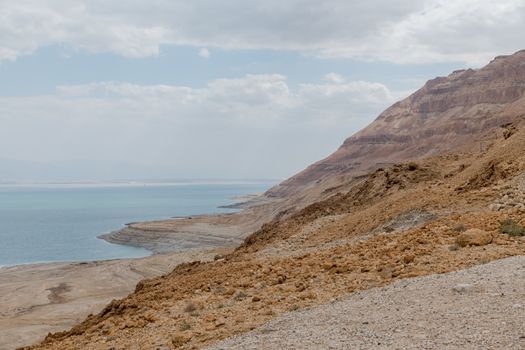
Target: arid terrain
[[437, 215], [469, 304], [435, 185], [41, 298]]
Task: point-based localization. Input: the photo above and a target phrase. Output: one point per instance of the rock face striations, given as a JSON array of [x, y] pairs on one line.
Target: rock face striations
[[445, 113]]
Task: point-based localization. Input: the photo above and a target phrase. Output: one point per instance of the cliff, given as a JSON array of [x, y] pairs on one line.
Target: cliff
[[444, 114]]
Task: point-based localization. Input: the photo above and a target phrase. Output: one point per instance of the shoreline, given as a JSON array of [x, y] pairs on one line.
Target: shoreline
[[177, 235], [171, 229], [201, 231], [39, 298]]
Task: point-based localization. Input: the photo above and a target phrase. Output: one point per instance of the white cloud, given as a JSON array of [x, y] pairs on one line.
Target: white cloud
[[334, 78], [204, 52], [399, 31], [246, 127]]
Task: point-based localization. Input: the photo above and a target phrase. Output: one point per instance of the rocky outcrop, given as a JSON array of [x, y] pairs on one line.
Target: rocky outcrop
[[474, 237], [446, 113]]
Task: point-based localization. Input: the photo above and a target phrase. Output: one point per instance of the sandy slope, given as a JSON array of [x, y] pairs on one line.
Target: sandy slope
[[479, 308]]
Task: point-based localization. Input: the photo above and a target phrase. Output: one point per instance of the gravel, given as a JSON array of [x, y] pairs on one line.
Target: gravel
[[479, 308]]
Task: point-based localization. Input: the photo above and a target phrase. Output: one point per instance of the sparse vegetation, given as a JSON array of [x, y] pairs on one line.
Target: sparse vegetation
[[294, 308], [190, 307], [412, 166], [240, 296], [185, 326], [512, 228], [460, 228], [453, 247]]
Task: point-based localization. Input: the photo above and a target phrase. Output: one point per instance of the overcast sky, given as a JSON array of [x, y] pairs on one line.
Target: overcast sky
[[167, 89]]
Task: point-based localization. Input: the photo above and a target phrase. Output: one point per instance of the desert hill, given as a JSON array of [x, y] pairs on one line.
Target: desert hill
[[454, 205], [443, 114]]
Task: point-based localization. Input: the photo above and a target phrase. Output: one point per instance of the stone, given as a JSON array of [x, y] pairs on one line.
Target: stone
[[407, 259], [181, 338], [474, 237]]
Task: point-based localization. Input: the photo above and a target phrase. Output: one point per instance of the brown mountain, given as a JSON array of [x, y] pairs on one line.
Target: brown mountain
[[447, 112]]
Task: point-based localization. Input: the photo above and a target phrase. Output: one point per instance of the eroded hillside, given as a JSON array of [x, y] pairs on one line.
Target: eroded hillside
[[468, 105], [434, 215]]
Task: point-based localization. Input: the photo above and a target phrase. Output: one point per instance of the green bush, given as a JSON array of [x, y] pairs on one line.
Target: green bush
[[512, 228]]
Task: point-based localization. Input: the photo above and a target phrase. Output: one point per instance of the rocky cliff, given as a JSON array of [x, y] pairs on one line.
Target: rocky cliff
[[445, 113]]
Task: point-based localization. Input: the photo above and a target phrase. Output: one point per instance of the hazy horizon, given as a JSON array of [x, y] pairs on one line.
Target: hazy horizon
[[137, 182], [93, 90]]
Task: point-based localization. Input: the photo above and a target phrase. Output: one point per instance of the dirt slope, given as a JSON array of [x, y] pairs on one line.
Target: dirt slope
[[469, 309]]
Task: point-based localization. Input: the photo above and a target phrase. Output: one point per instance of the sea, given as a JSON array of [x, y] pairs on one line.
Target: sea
[[61, 222]]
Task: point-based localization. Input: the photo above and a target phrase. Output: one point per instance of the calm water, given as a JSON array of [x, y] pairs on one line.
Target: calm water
[[61, 223]]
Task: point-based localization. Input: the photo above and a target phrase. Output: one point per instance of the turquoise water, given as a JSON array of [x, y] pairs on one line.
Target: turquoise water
[[61, 223]]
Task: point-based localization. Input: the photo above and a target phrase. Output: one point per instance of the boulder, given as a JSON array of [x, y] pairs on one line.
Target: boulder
[[474, 237]]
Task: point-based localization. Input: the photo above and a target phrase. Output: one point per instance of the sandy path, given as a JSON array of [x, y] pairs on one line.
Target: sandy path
[[479, 308], [41, 298]]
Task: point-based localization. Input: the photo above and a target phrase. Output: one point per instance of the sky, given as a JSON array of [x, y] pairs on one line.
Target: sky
[[94, 90]]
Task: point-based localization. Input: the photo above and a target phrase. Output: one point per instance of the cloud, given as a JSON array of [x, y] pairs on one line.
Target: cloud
[[258, 98], [246, 127], [334, 78], [403, 31], [204, 53]]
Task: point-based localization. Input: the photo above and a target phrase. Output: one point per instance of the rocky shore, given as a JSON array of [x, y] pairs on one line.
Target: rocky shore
[[178, 234], [197, 232]]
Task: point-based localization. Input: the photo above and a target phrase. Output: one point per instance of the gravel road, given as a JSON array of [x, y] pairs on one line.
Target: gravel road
[[479, 308]]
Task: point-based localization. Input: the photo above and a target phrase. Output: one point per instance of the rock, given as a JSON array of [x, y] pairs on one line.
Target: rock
[[407, 259], [386, 272], [495, 206], [474, 237], [328, 266], [219, 323], [256, 299], [181, 338], [210, 318]]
